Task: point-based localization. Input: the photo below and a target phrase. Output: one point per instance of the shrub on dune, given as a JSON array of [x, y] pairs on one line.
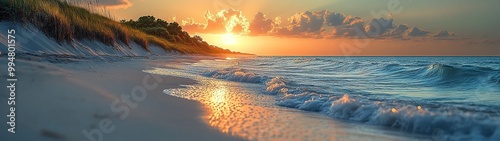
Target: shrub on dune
[[65, 23]]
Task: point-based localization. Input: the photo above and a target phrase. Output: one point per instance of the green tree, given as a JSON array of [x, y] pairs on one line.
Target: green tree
[[170, 31]]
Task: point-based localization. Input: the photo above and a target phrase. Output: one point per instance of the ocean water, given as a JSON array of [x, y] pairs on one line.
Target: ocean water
[[347, 98]]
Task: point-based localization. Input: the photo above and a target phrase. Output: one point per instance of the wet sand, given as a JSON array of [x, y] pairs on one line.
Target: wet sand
[[102, 101]]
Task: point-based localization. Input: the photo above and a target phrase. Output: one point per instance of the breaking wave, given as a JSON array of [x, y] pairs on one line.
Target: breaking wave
[[274, 85], [448, 75], [439, 120], [234, 74]]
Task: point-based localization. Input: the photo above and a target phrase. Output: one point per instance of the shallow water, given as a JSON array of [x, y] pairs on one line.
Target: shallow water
[[357, 98]]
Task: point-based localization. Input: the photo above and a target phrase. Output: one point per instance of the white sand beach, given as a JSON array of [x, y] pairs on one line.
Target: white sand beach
[[65, 101]]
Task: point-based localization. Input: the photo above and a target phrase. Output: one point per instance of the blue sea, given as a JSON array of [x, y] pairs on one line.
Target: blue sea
[[347, 98]]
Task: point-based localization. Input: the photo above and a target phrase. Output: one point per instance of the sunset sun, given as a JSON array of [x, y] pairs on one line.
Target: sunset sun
[[228, 39]]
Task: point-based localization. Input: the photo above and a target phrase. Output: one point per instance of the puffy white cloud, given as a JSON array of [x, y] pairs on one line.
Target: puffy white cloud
[[215, 23], [227, 20], [308, 24], [235, 21], [312, 24], [316, 24]]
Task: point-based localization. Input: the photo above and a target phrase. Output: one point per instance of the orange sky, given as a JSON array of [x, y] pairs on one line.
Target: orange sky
[[276, 46], [340, 27]]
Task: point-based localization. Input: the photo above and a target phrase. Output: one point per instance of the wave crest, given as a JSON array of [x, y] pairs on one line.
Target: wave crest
[[452, 76], [450, 123], [446, 122], [234, 74], [276, 86]]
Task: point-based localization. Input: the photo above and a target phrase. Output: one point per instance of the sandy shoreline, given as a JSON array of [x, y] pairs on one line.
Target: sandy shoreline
[[102, 100]]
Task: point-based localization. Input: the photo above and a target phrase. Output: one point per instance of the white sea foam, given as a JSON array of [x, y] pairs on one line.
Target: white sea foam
[[276, 85], [443, 122], [234, 74]]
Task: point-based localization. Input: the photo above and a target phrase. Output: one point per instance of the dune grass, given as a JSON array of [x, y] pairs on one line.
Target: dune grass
[[65, 22]]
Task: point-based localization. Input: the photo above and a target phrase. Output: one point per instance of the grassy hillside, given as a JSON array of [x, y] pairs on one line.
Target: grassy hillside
[[65, 23]]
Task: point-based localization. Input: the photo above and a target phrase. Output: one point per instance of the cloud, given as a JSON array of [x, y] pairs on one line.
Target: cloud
[[313, 24], [334, 19], [191, 26], [378, 27], [308, 24], [215, 23], [399, 31], [351, 19], [351, 27], [227, 20], [327, 24], [260, 24], [444, 33], [415, 31], [111, 4], [486, 41]]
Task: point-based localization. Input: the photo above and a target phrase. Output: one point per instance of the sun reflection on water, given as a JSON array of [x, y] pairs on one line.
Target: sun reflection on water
[[234, 111], [218, 104], [218, 95], [238, 111]]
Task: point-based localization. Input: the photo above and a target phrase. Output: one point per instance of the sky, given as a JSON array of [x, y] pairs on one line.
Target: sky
[[334, 27]]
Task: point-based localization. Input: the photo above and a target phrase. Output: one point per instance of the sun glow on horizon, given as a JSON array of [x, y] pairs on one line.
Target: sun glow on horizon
[[228, 39]]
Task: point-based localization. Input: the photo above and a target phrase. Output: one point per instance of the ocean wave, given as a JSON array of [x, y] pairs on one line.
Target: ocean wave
[[436, 74], [443, 122], [392, 67], [234, 74], [304, 60], [265, 64], [495, 79], [446, 75], [274, 85], [440, 120], [443, 74]]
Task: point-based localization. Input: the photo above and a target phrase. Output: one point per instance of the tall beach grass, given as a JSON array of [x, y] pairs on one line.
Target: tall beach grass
[[66, 22]]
